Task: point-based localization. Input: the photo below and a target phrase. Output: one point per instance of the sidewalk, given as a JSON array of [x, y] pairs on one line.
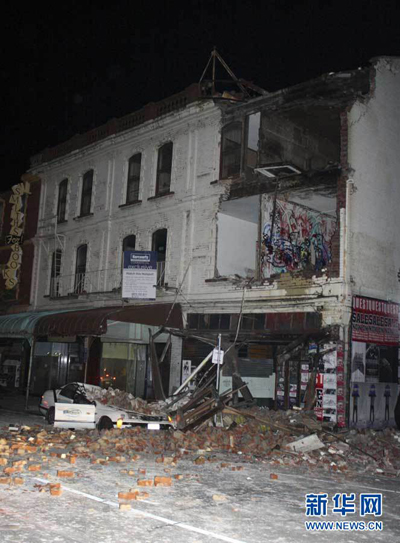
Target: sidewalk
[[15, 402]]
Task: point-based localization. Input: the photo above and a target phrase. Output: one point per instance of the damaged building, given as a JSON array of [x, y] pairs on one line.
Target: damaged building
[[273, 216]]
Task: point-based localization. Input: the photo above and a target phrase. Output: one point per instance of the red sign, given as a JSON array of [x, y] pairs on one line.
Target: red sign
[[375, 321]]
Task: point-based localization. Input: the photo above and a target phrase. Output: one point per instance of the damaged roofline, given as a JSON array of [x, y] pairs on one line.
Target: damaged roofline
[[332, 90]]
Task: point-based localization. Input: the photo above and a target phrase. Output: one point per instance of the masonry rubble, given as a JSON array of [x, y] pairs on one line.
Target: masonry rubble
[[255, 435], [125, 400]]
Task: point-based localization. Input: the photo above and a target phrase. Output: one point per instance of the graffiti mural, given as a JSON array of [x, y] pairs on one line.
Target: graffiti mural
[[294, 238]]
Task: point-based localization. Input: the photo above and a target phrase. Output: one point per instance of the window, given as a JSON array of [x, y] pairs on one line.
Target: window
[[231, 150], [253, 321], [55, 273], [252, 137], [238, 154], [132, 192], [62, 200], [164, 168], [129, 243], [160, 246], [86, 200], [80, 269]]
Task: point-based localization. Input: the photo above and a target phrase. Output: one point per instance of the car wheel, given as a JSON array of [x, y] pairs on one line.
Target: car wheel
[[51, 415], [105, 423]]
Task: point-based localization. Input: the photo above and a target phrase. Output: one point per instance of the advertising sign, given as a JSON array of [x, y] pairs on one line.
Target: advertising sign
[[375, 321], [374, 362], [139, 276]]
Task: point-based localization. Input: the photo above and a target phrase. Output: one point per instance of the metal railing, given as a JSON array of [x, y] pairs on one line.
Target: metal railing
[[106, 280]]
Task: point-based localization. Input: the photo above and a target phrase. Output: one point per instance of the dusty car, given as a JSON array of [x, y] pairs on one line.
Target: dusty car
[[106, 416]]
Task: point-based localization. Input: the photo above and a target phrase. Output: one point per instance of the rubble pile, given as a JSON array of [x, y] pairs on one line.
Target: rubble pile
[[125, 400], [287, 439]]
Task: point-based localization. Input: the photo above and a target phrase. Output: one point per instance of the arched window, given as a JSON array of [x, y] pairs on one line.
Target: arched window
[[133, 185], [86, 200], [80, 269], [164, 168], [159, 244], [129, 243], [62, 200], [231, 150], [55, 273]]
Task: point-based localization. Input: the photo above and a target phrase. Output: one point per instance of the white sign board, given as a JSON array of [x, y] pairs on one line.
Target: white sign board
[[139, 276], [218, 356]]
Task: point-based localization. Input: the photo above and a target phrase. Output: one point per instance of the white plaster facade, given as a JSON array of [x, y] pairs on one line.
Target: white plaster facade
[[368, 226]]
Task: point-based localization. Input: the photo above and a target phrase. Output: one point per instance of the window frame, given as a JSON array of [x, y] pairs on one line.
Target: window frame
[[131, 179], [62, 201], [161, 256], [80, 276], [239, 150], [162, 169], [86, 193]]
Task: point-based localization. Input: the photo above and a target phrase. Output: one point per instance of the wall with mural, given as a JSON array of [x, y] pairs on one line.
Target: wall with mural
[[295, 237]]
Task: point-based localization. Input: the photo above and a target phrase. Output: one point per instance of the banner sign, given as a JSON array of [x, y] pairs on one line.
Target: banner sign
[[139, 276], [375, 321]]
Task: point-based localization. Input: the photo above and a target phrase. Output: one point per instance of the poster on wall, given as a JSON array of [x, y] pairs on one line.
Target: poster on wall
[[374, 362], [139, 276]]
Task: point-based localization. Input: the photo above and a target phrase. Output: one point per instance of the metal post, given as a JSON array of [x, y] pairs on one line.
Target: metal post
[[29, 373]]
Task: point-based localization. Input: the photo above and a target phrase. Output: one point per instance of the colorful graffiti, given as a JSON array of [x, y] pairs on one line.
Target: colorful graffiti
[[301, 238]]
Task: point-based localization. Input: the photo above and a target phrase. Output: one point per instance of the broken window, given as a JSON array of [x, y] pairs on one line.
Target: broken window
[[62, 200], [159, 244], [55, 273], [164, 168], [231, 150], [132, 193], [86, 200], [80, 269]]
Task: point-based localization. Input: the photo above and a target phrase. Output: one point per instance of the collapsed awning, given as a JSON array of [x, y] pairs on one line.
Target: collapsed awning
[[93, 322]]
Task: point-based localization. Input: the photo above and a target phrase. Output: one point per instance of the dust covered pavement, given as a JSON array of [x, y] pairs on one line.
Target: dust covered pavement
[[230, 484]]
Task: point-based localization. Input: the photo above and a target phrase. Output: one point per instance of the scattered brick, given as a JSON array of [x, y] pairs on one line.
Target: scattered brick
[[124, 506], [5, 480], [61, 473], [162, 481], [273, 476], [34, 467], [127, 495], [144, 482]]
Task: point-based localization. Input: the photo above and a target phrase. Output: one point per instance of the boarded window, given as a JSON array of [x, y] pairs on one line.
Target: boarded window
[[231, 150], [164, 168], [62, 200], [87, 185], [132, 193]]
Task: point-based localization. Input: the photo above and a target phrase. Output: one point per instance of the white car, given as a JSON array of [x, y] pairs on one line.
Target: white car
[[106, 416]]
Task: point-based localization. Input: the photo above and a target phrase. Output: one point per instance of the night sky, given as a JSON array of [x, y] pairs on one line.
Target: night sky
[[72, 66]]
